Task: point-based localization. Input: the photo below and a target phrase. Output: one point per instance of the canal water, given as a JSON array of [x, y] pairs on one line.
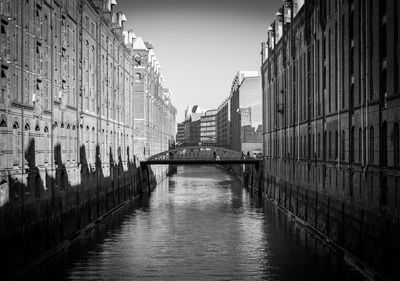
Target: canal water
[[199, 224]]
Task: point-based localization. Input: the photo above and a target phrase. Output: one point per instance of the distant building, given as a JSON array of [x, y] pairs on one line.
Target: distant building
[[187, 131], [223, 127], [180, 135], [195, 132], [208, 131], [192, 124], [155, 116], [246, 112], [193, 113]]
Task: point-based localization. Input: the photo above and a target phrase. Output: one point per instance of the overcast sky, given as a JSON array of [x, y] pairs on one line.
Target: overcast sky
[[201, 44]]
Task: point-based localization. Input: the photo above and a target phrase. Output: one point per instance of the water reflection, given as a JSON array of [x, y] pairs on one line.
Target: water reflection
[[198, 225]]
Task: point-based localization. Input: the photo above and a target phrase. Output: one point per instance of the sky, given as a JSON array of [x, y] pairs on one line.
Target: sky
[[201, 44]]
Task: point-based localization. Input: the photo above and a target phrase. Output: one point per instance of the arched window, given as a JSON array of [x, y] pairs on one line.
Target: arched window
[[371, 144], [384, 144], [330, 145], [351, 24], [301, 146], [294, 147], [87, 144], [47, 147], [352, 97], [16, 144], [351, 152], [103, 146], [69, 143], [63, 142], [3, 123], [365, 144], [111, 149], [27, 129], [383, 198], [343, 148], [383, 41], [352, 62], [106, 148], [383, 87], [396, 144], [74, 144], [319, 146], [360, 145], [5, 141], [336, 145], [93, 146]]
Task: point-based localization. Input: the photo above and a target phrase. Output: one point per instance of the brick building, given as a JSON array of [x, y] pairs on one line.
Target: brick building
[[68, 77], [155, 116], [331, 116]]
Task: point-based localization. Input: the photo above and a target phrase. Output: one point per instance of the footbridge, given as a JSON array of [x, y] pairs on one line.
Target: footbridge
[[204, 155]]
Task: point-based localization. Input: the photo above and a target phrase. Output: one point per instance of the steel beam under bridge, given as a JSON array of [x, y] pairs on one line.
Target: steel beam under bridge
[[182, 161]]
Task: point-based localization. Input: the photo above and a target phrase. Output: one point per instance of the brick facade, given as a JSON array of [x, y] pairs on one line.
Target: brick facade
[[331, 118], [67, 120]]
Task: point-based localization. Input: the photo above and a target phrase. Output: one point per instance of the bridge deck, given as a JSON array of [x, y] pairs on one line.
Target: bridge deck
[[183, 161]]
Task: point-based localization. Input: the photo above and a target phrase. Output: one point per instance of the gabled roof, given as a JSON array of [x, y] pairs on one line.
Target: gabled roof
[[139, 44]]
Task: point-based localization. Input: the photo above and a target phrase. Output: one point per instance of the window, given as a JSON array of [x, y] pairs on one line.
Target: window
[[383, 7], [4, 71], [343, 62], [16, 144], [352, 60], [69, 142], [396, 144], [383, 200], [384, 144], [360, 145], [371, 144], [383, 87], [343, 148], [365, 145], [319, 146], [47, 148], [383, 42], [336, 145], [352, 145], [330, 145], [336, 66], [351, 24], [352, 97]]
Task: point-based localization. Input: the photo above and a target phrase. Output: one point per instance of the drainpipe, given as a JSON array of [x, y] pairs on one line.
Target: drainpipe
[[366, 33], [363, 142], [22, 99], [339, 93]]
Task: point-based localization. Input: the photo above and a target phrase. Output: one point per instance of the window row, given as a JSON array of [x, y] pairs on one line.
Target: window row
[[359, 146]]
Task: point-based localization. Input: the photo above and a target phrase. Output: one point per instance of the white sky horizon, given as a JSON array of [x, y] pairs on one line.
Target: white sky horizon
[[201, 44]]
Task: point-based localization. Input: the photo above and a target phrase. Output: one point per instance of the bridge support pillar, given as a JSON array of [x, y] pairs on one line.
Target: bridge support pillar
[[148, 179]]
